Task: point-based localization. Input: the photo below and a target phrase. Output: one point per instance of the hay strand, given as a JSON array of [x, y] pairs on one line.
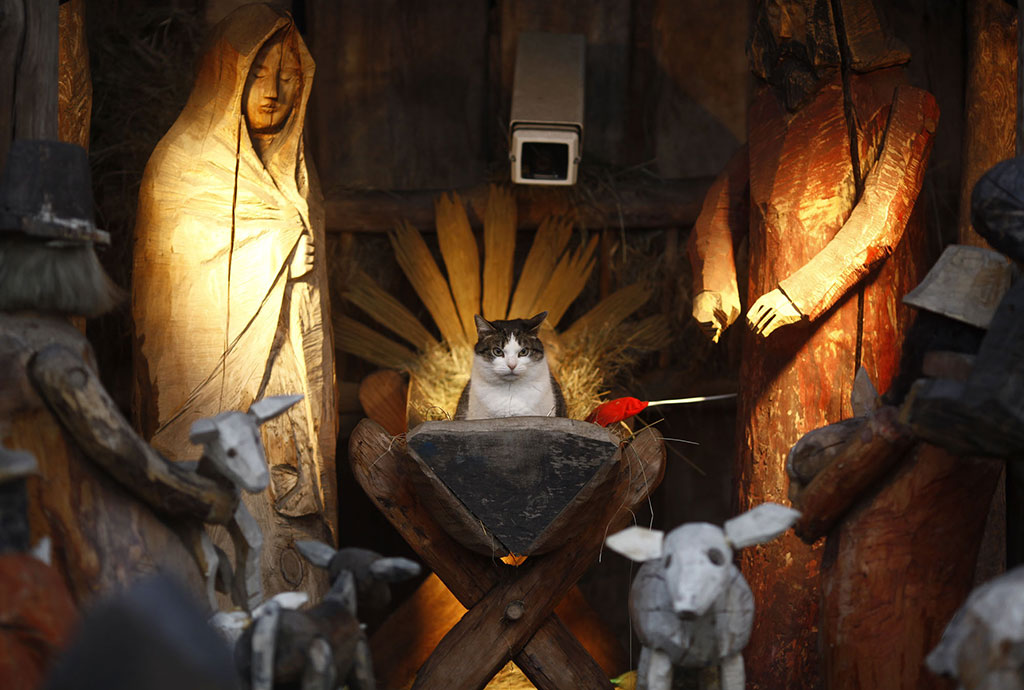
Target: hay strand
[[548, 245], [499, 251], [364, 342], [419, 266], [461, 258], [610, 312], [567, 281], [382, 307]]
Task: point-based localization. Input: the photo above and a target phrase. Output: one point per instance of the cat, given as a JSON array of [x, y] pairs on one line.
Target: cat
[[510, 376]]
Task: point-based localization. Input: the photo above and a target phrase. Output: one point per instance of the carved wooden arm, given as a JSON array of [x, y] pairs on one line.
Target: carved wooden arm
[[876, 225], [88, 414], [722, 220]]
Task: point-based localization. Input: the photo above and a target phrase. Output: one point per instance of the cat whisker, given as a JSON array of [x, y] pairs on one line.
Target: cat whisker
[[681, 440], [387, 450]]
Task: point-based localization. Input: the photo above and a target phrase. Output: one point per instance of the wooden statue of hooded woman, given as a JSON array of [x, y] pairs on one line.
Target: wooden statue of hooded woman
[[824, 191], [230, 296]]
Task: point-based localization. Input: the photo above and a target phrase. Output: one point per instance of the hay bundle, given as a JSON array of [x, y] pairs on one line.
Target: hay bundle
[[584, 357]]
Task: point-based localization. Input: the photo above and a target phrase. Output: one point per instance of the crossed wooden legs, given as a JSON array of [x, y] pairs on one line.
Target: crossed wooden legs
[[510, 609]]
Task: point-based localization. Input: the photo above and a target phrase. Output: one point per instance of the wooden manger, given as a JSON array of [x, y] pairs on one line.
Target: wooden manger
[[464, 493], [517, 485]]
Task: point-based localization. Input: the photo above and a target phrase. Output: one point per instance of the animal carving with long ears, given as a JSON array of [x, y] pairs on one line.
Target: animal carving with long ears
[[233, 453], [689, 603]]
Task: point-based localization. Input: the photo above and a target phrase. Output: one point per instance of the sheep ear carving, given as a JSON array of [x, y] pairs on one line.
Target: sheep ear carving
[[759, 525], [316, 552], [637, 543]]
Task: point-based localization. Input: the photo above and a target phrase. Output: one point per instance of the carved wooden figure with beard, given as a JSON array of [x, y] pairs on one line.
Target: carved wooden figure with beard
[[230, 297]]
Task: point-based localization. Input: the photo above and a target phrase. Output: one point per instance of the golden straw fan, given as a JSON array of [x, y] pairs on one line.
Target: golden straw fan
[[553, 275]]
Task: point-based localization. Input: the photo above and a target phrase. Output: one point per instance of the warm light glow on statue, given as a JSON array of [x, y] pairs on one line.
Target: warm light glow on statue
[[230, 288], [833, 246]]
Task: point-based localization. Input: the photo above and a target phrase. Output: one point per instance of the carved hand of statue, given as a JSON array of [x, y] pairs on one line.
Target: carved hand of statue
[[714, 312], [770, 311], [305, 254]]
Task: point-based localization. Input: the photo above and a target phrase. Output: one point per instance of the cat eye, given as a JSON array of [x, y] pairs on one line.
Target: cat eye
[[716, 557], [524, 352], [497, 352]]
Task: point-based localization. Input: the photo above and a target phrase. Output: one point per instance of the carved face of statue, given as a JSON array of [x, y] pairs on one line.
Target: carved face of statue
[[793, 43], [272, 86]]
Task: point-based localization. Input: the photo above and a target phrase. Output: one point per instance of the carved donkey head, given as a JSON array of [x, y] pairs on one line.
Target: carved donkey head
[[696, 556], [231, 441]]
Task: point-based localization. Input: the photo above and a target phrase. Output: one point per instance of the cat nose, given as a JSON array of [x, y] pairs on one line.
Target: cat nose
[[511, 364]]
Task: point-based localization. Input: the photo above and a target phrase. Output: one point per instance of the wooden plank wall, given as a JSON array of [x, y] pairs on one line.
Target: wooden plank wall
[[414, 96], [399, 92]]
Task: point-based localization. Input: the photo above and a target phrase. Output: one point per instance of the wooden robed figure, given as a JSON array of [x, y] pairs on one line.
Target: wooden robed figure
[[824, 191], [230, 298]]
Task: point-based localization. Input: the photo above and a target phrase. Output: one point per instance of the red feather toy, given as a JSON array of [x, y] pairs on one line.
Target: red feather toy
[[614, 411]]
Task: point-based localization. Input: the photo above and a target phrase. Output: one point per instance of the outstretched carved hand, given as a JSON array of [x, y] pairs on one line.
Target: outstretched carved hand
[[714, 312], [770, 311], [302, 263]]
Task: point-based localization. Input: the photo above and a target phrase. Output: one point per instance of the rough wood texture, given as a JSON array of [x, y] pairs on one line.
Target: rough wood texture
[[991, 99], [103, 537], [35, 97], [12, 29], [406, 109], [804, 373], [74, 82], [522, 481], [230, 298], [864, 459], [982, 644], [898, 566], [36, 620], [28, 71], [548, 658], [643, 205], [966, 284], [89, 415]]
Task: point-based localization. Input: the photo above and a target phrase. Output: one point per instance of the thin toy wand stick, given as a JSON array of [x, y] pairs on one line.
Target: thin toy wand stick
[[700, 398]]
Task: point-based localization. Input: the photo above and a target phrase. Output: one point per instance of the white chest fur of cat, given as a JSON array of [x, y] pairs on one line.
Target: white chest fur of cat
[[510, 376]]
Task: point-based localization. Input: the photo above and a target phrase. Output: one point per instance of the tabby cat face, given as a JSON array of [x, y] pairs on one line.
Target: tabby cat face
[[509, 350]]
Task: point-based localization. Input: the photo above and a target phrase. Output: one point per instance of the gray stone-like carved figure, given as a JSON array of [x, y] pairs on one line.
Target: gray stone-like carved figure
[[322, 647], [689, 604], [983, 646], [233, 451]]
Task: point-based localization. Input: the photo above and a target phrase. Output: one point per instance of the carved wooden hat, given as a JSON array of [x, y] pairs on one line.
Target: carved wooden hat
[[997, 207], [46, 193]]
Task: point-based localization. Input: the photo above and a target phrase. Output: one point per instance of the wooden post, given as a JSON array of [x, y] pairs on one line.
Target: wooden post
[[991, 102], [28, 71], [897, 568]]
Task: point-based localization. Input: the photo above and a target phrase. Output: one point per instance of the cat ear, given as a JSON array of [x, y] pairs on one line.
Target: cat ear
[[483, 326], [534, 323]]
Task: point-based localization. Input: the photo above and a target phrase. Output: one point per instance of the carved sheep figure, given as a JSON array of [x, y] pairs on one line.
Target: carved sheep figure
[[689, 604], [983, 646]]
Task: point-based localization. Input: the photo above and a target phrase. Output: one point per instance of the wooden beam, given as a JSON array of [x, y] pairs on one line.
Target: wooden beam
[[642, 204]]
